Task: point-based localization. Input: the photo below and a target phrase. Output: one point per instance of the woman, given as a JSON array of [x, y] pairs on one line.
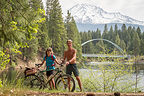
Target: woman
[[50, 62]]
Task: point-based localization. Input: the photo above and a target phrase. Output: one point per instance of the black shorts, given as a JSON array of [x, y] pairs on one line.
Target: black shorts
[[72, 68], [48, 73]]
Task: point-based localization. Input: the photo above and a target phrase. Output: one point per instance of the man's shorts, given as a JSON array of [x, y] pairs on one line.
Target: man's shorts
[[72, 68], [48, 73]]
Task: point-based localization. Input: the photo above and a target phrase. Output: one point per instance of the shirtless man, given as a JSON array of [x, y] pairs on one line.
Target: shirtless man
[[70, 55]]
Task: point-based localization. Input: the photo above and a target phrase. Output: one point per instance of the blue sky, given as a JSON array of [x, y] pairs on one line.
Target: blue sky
[[132, 8]]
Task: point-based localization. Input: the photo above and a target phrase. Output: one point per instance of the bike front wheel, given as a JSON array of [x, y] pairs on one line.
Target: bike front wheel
[[65, 83]]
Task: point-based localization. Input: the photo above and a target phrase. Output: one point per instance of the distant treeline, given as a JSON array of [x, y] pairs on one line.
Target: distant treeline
[[130, 39]]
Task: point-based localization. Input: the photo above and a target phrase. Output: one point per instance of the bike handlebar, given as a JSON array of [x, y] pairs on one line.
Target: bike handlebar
[[61, 64], [38, 65]]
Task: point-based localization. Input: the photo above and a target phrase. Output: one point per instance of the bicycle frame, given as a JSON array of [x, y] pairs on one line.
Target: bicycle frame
[[41, 75]]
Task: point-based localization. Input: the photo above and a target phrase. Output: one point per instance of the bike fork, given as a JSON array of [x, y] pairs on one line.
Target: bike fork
[[65, 85]]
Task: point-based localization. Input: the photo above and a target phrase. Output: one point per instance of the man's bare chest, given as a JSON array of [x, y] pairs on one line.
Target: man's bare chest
[[70, 54]]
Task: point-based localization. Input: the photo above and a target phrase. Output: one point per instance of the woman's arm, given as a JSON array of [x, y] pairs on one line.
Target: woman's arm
[[64, 57], [56, 61], [42, 63]]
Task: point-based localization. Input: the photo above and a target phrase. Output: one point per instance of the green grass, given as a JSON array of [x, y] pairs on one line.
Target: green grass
[[17, 91]]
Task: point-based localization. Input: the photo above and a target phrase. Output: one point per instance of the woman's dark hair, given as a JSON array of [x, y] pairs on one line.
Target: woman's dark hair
[[49, 49]]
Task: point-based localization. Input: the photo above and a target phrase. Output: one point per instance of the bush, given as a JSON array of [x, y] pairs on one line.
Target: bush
[[0, 83]]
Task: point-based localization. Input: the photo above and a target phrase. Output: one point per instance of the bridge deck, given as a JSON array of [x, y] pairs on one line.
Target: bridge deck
[[103, 55]]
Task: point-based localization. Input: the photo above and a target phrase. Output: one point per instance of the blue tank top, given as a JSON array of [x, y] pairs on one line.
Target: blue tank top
[[49, 62]]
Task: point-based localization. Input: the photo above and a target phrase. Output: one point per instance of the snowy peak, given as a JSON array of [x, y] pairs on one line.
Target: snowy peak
[[85, 13]]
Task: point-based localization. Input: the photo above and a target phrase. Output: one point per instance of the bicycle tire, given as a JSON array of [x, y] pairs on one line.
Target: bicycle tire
[[32, 81], [61, 83]]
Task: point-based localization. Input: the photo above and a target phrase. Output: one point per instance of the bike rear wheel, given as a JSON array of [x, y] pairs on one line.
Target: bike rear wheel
[[32, 81], [61, 83]]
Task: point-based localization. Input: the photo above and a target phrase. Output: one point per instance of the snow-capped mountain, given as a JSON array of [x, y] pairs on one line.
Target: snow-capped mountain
[[90, 14]]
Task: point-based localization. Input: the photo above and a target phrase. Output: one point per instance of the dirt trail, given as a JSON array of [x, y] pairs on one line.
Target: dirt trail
[[83, 94]]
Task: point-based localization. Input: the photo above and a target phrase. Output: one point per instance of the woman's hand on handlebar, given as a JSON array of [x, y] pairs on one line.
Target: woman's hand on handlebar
[[38, 65]]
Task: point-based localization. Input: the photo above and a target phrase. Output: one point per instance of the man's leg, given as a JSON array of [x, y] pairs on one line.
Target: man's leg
[[76, 74], [69, 85], [79, 82], [69, 72]]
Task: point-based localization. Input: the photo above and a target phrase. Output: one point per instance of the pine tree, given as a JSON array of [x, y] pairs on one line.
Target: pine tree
[[138, 30], [105, 33], [116, 29], [142, 44], [43, 39], [122, 44], [111, 34], [136, 44], [128, 38], [111, 38], [117, 40], [56, 29], [96, 35], [88, 48]]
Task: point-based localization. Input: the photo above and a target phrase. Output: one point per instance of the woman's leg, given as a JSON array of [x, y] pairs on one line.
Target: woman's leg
[[50, 83], [53, 83]]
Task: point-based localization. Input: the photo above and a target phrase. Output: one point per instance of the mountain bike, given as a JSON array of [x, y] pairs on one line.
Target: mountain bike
[[39, 80]]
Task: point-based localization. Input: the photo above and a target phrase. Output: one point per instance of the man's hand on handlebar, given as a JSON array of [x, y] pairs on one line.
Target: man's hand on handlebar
[[61, 64]]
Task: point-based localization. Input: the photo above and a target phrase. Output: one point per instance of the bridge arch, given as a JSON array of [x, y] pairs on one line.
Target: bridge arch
[[106, 41]]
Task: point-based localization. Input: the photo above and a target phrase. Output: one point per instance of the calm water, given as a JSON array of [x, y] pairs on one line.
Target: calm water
[[127, 78]]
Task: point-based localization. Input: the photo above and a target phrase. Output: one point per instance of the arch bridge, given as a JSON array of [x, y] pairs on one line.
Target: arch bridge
[[104, 55]]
